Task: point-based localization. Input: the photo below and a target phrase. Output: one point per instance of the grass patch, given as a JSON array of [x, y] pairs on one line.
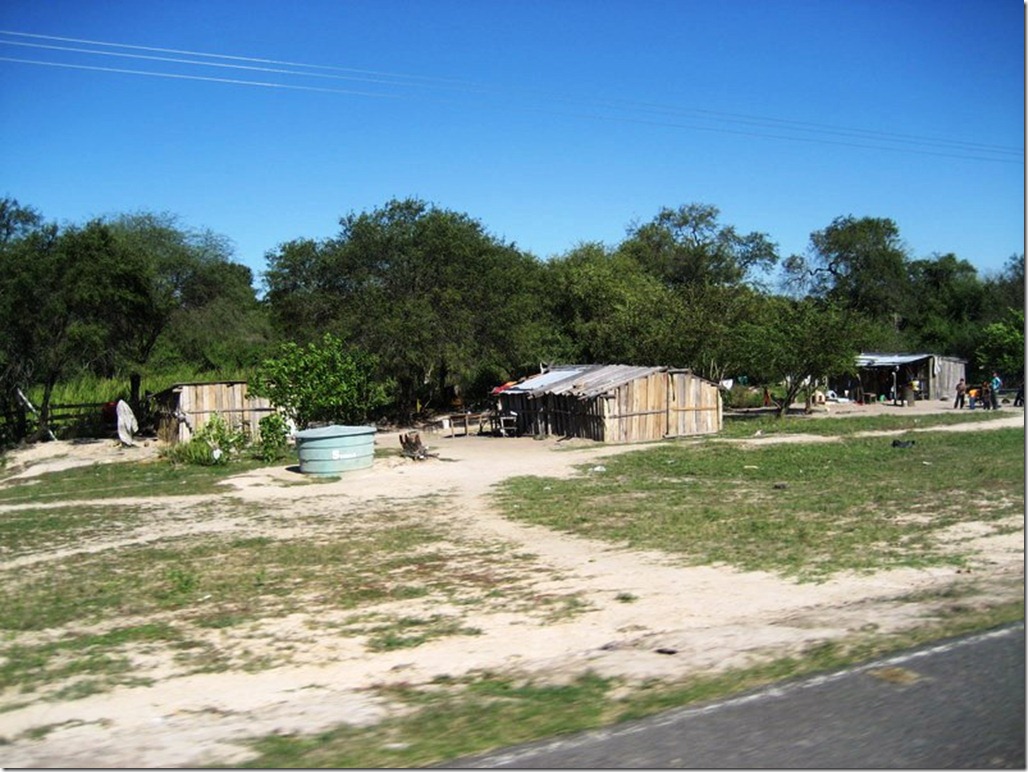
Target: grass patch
[[32, 529], [802, 510], [122, 480], [745, 425], [460, 718], [93, 662], [409, 632]]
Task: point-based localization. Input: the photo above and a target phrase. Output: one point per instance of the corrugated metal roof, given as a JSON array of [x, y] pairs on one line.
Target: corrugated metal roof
[[889, 360], [583, 381], [541, 383]]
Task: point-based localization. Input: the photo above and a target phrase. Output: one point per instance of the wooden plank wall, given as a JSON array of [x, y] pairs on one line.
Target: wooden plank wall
[[654, 407], [694, 406], [637, 410], [202, 400]]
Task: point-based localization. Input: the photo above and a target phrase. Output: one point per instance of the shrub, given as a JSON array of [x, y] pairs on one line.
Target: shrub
[[271, 443], [212, 445]]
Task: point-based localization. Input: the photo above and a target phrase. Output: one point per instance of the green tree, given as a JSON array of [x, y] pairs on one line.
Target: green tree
[[946, 303], [608, 309], [322, 382], [1002, 347], [798, 341], [426, 290], [202, 309], [688, 246], [70, 300], [715, 329], [860, 264]]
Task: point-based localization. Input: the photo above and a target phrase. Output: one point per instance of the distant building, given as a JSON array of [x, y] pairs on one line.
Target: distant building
[[927, 376]]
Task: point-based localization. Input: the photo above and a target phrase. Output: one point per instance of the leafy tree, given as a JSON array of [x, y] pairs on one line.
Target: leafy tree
[[946, 303], [609, 310], [202, 308], [688, 246], [17, 221], [715, 328], [1005, 290], [69, 301], [859, 263], [1002, 346], [801, 340], [426, 290], [320, 382]]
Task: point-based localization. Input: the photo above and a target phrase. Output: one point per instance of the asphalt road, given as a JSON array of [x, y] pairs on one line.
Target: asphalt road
[[958, 704]]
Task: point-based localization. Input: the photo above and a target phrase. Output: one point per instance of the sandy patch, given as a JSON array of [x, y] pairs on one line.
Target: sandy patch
[[710, 617]]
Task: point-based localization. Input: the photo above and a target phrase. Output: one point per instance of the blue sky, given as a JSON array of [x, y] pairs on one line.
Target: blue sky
[[551, 123]]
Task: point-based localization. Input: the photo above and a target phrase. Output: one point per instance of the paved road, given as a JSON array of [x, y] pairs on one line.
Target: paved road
[[959, 704]]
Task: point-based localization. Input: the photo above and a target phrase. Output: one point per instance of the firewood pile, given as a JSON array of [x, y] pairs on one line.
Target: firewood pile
[[412, 447]]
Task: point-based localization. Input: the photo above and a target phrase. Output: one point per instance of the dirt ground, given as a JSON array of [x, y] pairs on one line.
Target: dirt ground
[[713, 617]]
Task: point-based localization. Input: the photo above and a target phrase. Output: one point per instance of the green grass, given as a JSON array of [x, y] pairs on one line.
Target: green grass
[[456, 718], [35, 529], [746, 425], [802, 510], [122, 480]]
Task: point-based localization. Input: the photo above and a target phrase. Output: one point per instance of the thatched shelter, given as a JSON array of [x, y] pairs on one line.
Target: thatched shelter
[[613, 403]]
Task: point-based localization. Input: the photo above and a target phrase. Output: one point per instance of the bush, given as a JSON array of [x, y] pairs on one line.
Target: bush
[[740, 397], [213, 445], [271, 445]]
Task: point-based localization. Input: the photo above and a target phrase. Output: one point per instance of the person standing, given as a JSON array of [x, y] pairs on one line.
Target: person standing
[[985, 396], [995, 386], [958, 403]]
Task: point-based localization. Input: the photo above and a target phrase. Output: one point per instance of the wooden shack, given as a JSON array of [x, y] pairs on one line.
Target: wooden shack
[[183, 409], [613, 403]]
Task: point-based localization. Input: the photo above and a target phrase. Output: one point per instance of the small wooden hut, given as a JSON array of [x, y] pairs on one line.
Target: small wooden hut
[[613, 403], [184, 408]]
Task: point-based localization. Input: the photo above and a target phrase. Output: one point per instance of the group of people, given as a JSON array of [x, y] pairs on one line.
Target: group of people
[[985, 396]]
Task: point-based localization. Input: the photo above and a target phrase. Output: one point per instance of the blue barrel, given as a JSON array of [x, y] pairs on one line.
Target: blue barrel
[[332, 450]]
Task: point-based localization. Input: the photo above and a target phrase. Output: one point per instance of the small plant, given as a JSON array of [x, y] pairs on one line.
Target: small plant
[[271, 443], [213, 445]]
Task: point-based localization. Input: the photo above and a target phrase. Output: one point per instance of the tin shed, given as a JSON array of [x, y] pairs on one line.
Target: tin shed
[[614, 403], [931, 376], [184, 408]]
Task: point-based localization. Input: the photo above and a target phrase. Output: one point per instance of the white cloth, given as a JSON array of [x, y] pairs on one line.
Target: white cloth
[[127, 425]]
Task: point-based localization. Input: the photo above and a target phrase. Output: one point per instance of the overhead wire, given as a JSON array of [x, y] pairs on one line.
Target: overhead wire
[[626, 110]]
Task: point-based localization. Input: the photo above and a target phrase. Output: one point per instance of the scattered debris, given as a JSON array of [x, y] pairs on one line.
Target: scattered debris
[[780, 486], [896, 675], [903, 443], [599, 468], [667, 651], [412, 447]]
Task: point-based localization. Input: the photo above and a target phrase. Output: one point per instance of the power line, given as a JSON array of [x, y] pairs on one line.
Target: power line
[[810, 132]]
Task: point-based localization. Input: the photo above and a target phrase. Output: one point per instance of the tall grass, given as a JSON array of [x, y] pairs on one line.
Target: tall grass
[[91, 389]]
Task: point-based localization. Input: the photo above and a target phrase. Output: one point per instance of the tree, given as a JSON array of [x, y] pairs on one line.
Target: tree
[[800, 340], [1002, 346], [946, 304], [858, 263], [609, 310], [426, 290], [202, 308], [688, 246], [320, 382], [69, 303], [715, 328]]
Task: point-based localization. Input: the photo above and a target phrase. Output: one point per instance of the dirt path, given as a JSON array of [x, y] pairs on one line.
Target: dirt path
[[712, 617]]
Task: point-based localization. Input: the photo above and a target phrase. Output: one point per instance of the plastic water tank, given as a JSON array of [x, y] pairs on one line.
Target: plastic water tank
[[332, 450]]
